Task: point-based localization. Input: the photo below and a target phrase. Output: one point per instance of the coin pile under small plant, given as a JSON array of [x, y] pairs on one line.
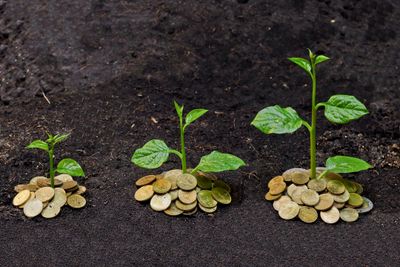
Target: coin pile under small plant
[[176, 193], [39, 198], [294, 195]]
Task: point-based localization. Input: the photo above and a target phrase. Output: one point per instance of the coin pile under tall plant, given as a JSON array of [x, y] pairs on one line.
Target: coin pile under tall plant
[[339, 109], [181, 191], [46, 196]]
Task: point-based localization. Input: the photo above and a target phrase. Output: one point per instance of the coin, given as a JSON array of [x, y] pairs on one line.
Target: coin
[[172, 176], [160, 202], [174, 194], [296, 195], [185, 207], [278, 203], [33, 208], [342, 198], [34, 179], [60, 197], [173, 210], [208, 210], [187, 197], [350, 186], [309, 197], [355, 200], [221, 195], [335, 187], [57, 182], [205, 198], [145, 180], [64, 178], [186, 182], [32, 196], [359, 187], [330, 216], [70, 185], [222, 184], [288, 175], [76, 201], [277, 188], [161, 186], [190, 213], [51, 211], [44, 194], [300, 177], [270, 197], [203, 182], [207, 175], [144, 193], [325, 202], [308, 214], [289, 210], [366, 206], [81, 190], [42, 182], [349, 215], [22, 187], [275, 180], [338, 205], [317, 185], [290, 189]]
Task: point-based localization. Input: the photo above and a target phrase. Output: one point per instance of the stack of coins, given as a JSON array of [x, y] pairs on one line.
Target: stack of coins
[[176, 193], [38, 198], [294, 195]]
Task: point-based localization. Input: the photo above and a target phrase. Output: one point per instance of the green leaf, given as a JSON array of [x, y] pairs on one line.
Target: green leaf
[[343, 109], [60, 138], [152, 155], [71, 167], [39, 144], [320, 59], [302, 63], [345, 164], [277, 120], [179, 109], [219, 162], [194, 115]]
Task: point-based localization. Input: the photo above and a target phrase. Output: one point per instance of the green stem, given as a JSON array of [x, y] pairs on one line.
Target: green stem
[[183, 152], [313, 140], [51, 161]]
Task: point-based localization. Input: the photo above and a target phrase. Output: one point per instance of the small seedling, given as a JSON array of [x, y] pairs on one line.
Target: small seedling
[[155, 152], [66, 166], [339, 109]]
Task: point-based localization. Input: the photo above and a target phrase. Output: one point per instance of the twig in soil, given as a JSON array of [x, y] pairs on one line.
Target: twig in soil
[[45, 97]]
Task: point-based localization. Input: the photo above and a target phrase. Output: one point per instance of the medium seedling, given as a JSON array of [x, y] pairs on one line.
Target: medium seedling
[[65, 166], [339, 109], [155, 152]]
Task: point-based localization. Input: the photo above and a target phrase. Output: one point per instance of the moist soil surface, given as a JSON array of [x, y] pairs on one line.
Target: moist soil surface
[[111, 70]]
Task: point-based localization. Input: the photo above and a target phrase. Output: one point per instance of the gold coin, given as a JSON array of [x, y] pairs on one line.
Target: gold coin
[[207, 210], [173, 210], [209, 176], [342, 198], [145, 180], [289, 210], [270, 197], [338, 205], [174, 194], [57, 182], [187, 197], [309, 197], [275, 180], [70, 185], [300, 177], [288, 175], [355, 200], [60, 197], [350, 186], [33, 208], [42, 182], [308, 214], [51, 211], [335, 187], [22, 187], [161, 186], [349, 215], [185, 207], [296, 195], [186, 182], [81, 190], [203, 182], [45, 204], [366, 206], [172, 177], [317, 185], [222, 184], [205, 198], [144, 193], [76, 201], [32, 196], [35, 179], [278, 203], [359, 188], [69, 193], [292, 187], [64, 178], [45, 194], [330, 216], [160, 202], [190, 213], [221, 195], [277, 188], [325, 202]]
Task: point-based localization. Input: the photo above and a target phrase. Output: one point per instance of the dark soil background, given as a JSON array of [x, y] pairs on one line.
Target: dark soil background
[[111, 70]]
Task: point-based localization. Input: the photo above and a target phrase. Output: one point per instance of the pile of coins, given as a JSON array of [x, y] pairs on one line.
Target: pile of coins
[[296, 195], [38, 198], [176, 193]]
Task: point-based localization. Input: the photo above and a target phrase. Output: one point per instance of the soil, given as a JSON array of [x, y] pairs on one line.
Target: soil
[[111, 70]]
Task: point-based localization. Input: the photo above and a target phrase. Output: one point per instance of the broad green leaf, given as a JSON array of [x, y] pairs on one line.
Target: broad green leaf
[[194, 115], [39, 144], [345, 164], [179, 109], [219, 162], [320, 59], [71, 167], [343, 109], [60, 138], [302, 63], [152, 155], [277, 120]]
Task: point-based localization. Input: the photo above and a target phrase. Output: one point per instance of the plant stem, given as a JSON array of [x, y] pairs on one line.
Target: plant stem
[[51, 161], [183, 152], [313, 140]]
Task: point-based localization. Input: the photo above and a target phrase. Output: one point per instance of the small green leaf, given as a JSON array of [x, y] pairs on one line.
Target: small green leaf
[[194, 115], [343, 109], [60, 138], [39, 144], [71, 167], [219, 162], [345, 164], [302, 63], [320, 59], [277, 120], [152, 155], [179, 109]]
